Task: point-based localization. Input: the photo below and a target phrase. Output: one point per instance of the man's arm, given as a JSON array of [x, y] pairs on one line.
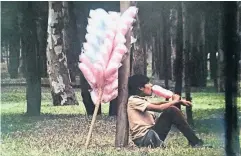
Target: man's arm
[[159, 108], [159, 103]]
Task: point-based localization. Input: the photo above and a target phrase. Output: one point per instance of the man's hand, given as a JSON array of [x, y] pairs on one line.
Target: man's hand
[[186, 103]]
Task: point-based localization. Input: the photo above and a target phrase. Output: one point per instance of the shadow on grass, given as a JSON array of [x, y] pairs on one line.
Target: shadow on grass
[[11, 123], [205, 121], [210, 120]]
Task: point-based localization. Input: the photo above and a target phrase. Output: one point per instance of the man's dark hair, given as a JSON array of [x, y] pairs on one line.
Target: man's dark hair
[[135, 82]]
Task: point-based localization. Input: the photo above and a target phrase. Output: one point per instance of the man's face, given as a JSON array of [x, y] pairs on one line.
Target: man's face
[[147, 89]]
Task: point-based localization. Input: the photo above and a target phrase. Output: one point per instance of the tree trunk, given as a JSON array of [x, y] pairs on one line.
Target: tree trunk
[[203, 77], [61, 90], [14, 49], [113, 108], [70, 35], [122, 127], [30, 46], [138, 63], [186, 54], [154, 56], [165, 49], [42, 26], [179, 55], [161, 51], [231, 43], [220, 58], [173, 32]]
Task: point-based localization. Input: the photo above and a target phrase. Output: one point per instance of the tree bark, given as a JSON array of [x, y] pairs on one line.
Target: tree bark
[[113, 108], [186, 54], [165, 47], [30, 46], [72, 45], [138, 63], [231, 43], [179, 55], [122, 127], [220, 58], [42, 26], [14, 49], [203, 61], [173, 32], [61, 90]]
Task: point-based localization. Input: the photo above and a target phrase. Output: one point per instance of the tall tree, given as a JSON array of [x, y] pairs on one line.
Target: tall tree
[[42, 25], [231, 43], [122, 127], [165, 23], [203, 60], [72, 45], [179, 54], [220, 58], [14, 40], [61, 90], [30, 46], [138, 58], [173, 32], [186, 53]]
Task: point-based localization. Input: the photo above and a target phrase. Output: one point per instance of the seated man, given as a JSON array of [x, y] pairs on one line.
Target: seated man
[[145, 130]]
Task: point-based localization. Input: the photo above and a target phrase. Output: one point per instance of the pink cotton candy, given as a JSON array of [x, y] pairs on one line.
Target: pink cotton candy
[[112, 78], [131, 12], [115, 58], [99, 74], [120, 48], [110, 35], [122, 28], [94, 96], [88, 74], [108, 97], [111, 86], [111, 68], [128, 21], [162, 92], [84, 59], [119, 39]]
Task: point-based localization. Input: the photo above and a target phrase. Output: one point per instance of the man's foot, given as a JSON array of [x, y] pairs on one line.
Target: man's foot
[[201, 144]]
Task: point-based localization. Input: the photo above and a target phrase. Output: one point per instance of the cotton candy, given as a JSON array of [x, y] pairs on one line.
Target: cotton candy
[[94, 96], [88, 74], [130, 12]]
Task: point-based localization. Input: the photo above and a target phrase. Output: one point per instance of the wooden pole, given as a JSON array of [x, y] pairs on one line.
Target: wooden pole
[[97, 105], [122, 129]]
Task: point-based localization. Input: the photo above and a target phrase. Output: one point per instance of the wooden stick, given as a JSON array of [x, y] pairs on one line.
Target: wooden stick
[[97, 105]]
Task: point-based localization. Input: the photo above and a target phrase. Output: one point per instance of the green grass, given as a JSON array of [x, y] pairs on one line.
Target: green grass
[[62, 130]]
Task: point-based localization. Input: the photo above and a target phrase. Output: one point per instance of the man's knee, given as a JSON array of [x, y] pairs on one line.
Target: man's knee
[[173, 109]]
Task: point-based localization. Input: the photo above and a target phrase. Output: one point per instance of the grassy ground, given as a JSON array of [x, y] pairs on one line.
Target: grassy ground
[[62, 130]]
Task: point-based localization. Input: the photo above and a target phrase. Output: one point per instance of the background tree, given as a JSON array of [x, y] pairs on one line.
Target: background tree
[[61, 90], [42, 25], [186, 53], [138, 65], [179, 54], [231, 44], [30, 46]]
